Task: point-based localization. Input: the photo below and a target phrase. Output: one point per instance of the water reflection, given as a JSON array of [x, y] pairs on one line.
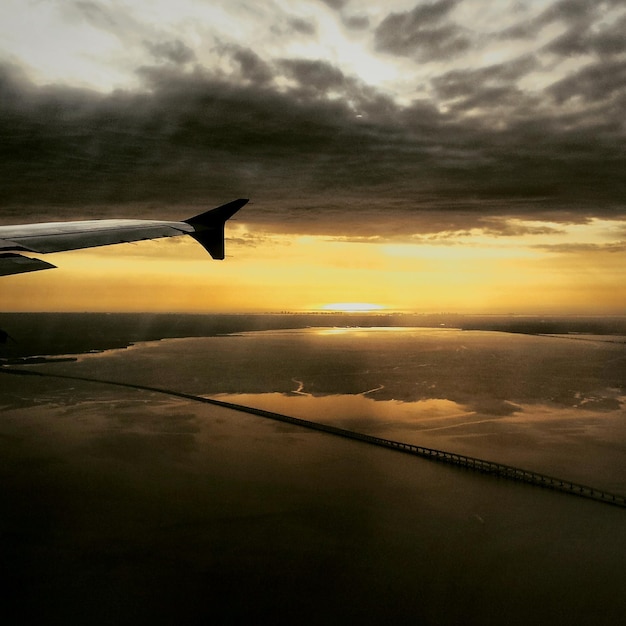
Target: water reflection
[[551, 405], [574, 443], [364, 331], [355, 411]]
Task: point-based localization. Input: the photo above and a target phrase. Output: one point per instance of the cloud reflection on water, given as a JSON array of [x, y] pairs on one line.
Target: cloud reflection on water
[[355, 411], [574, 443], [551, 405]]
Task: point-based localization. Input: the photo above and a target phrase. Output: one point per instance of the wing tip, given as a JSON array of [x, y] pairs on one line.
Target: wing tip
[[12, 263], [209, 227], [219, 214]]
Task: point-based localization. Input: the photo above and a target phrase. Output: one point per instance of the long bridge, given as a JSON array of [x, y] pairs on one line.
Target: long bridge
[[451, 458], [500, 470]]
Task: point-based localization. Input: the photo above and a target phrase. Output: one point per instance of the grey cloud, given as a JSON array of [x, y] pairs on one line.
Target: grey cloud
[[610, 40], [576, 13], [353, 22], [422, 218], [335, 4], [491, 94], [595, 96], [423, 33], [587, 32], [596, 82], [428, 13], [514, 228], [191, 137], [96, 14], [570, 10], [301, 26], [356, 22], [572, 42], [432, 44], [446, 228], [618, 247], [319, 76], [463, 83], [252, 67], [575, 10], [174, 51], [589, 39], [110, 18]]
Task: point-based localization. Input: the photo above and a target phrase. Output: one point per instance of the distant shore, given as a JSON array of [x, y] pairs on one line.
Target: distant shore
[[49, 334]]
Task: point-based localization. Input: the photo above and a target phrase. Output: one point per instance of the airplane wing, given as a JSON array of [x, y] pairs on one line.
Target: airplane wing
[[206, 228]]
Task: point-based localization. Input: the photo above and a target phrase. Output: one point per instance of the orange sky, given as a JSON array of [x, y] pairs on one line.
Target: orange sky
[[575, 271]]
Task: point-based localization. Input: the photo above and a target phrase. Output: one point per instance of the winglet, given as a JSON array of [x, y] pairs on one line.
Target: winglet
[[209, 226]]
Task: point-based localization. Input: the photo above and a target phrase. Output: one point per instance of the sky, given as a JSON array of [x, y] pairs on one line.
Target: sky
[[446, 155]]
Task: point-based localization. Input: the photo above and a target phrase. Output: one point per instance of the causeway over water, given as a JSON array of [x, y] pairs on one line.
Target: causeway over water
[[499, 470]]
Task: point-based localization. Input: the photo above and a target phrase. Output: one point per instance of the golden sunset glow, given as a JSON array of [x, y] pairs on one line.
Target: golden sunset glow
[[353, 307], [285, 272]]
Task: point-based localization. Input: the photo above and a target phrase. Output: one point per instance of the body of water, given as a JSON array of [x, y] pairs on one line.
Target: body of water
[[127, 506]]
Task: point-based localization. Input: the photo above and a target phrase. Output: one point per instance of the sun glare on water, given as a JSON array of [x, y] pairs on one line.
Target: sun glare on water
[[353, 307]]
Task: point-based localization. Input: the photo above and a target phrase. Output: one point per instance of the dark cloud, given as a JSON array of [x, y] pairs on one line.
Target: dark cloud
[[174, 51], [583, 39], [433, 224], [574, 13], [327, 154], [429, 13], [489, 89], [423, 33], [585, 248], [596, 82], [251, 66], [356, 22], [318, 76], [353, 22], [586, 30], [335, 4], [304, 27], [513, 228]]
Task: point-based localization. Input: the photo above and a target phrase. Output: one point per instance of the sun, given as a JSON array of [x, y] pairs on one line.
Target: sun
[[353, 307]]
